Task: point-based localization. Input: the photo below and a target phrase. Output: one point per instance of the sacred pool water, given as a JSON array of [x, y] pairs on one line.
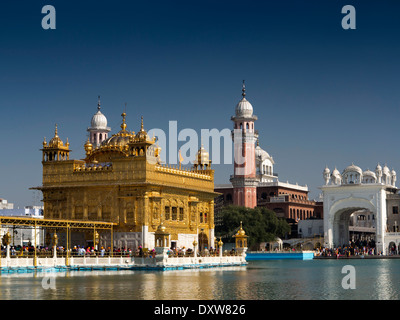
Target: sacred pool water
[[263, 280]]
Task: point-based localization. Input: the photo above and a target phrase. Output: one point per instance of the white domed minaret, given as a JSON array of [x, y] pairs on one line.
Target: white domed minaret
[[244, 180], [98, 131], [327, 175], [394, 177], [378, 172]]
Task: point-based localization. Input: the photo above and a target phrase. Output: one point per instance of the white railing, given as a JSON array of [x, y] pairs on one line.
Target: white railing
[[98, 261]]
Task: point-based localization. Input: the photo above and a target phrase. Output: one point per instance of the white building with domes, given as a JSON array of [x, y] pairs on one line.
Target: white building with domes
[[364, 193], [264, 166], [355, 175]]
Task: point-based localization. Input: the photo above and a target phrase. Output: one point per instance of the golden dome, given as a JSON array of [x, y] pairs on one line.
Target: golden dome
[[142, 135], [116, 140], [88, 146], [202, 158], [161, 228], [241, 232], [56, 142], [120, 139]]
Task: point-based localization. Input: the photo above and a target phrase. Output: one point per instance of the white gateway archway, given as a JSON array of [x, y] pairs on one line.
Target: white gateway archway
[[340, 201]]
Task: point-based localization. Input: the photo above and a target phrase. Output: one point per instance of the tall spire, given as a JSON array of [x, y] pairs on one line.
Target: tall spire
[[243, 90], [141, 125]]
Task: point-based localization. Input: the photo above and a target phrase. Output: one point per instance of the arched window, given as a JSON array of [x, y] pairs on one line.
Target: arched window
[[264, 195]]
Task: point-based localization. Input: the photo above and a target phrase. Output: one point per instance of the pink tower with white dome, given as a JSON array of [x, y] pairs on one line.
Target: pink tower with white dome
[[244, 180], [98, 131]]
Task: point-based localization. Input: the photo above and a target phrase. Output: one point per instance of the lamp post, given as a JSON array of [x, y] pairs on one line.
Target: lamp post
[[220, 244], [55, 241], [6, 241], [96, 240], [194, 248]]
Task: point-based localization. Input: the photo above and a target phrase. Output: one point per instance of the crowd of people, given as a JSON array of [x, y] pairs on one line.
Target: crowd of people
[[29, 250], [358, 248], [81, 251]]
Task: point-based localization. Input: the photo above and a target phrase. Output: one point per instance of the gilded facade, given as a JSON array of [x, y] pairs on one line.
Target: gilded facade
[[122, 180]]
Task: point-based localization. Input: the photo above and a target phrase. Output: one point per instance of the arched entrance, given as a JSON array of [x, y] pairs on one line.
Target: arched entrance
[[203, 241], [347, 229], [341, 201], [392, 248]]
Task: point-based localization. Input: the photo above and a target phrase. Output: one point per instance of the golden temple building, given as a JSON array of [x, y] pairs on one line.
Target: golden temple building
[[122, 180]]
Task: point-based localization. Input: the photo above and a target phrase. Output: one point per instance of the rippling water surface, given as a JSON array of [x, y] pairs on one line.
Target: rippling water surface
[[262, 280]]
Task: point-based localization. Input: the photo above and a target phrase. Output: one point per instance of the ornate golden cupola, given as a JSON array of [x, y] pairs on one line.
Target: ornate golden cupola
[[55, 150], [202, 161], [142, 144]]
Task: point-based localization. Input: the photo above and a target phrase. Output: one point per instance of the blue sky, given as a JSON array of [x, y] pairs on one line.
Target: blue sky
[[323, 95]]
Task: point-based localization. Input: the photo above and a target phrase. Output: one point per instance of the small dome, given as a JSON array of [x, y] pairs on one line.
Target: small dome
[[369, 173], [261, 154], [55, 142], [386, 170], [161, 228], [202, 159], [142, 135], [326, 170], [335, 172], [202, 156], [88, 146], [244, 109], [99, 121], [241, 232], [393, 172], [378, 167], [353, 168]]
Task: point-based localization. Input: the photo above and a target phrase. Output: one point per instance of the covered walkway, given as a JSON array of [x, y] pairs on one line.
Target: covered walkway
[[66, 225]]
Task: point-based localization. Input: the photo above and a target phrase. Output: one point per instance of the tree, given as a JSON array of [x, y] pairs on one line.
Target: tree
[[260, 224]]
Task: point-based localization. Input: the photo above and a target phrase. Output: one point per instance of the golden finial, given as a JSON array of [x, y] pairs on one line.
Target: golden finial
[[243, 90], [141, 125], [88, 146], [44, 142], [67, 143], [56, 131], [241, 231], [123, 125]]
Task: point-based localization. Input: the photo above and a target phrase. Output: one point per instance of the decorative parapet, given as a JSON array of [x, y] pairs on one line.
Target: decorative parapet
[[92, 168], [201, 174]]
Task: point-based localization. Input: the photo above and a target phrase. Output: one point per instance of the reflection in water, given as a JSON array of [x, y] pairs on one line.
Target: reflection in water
[[259, 280], [385, 284]]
